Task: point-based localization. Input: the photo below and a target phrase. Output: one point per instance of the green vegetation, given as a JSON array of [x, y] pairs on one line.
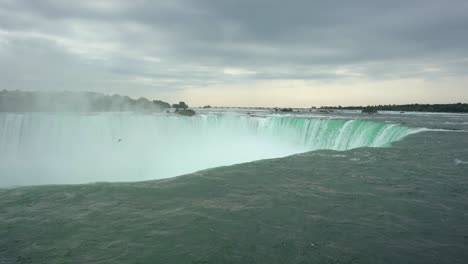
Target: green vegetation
[[28, 101], [180, 105], [182, 109], [284, 109], [447, 108], [162, 103], [369, 110]]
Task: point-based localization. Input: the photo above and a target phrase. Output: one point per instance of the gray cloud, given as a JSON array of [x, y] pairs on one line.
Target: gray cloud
[[141, 46]]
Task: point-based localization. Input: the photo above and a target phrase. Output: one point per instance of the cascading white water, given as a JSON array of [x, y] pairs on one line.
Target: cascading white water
[[48, 148]]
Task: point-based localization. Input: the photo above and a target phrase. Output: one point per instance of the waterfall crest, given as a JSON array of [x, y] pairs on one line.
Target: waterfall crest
[[56, 148]]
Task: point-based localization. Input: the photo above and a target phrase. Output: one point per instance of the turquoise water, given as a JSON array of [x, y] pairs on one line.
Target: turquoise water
[[46, 148], [404, 202]]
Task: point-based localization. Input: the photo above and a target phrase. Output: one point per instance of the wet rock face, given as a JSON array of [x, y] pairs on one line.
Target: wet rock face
[[186, 112]]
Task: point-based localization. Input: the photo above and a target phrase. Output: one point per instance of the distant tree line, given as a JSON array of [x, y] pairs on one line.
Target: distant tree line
[[283, 109], [182, 109], [28, 101], [180, 105], [447, 108]]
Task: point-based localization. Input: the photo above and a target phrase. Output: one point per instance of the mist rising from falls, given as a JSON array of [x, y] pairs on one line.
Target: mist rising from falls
[[40, 148]]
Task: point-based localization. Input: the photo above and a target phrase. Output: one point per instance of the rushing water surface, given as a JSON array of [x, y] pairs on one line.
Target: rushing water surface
[[46, 148], [316, 188]]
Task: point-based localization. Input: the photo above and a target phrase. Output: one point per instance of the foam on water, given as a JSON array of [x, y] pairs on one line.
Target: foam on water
[[43, 148], [458, 161]]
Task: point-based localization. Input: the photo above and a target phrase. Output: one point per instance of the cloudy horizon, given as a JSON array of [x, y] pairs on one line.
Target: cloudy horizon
[[240, 53]]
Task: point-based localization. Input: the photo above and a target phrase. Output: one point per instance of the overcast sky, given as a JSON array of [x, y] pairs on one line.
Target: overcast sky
[[240, 52]]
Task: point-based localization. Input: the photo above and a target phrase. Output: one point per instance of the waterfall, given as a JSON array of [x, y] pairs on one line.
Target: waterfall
[[56, 148]]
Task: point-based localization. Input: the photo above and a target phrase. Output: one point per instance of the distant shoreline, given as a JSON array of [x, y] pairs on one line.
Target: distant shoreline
[[66, 101], [432, 108], [459, 108]]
